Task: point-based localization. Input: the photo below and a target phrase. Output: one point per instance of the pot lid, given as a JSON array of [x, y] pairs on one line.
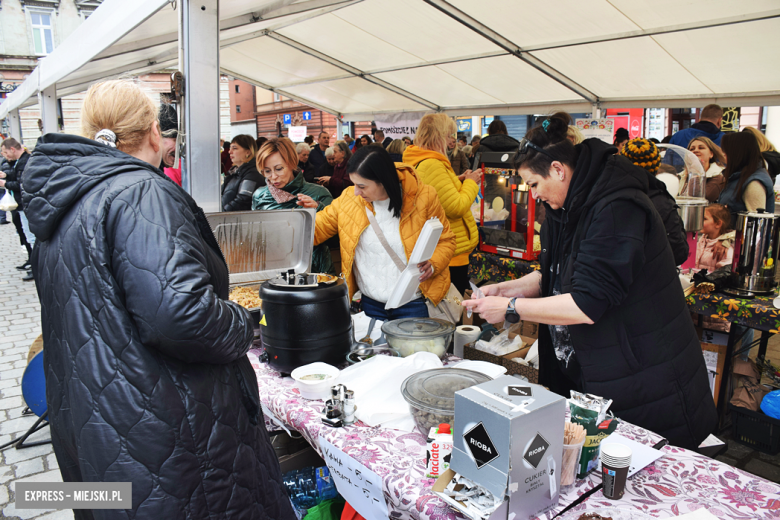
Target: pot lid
[[259, 245], [758, 214], [417, 328], [434, 390]]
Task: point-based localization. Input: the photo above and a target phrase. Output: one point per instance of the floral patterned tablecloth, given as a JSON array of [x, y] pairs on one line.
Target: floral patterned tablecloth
[[758, 313], [678, 483], [496, 268]]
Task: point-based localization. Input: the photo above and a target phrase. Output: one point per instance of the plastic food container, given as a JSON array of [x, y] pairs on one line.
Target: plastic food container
[[410, 335], [362, 353], [315, 379], [431, 394]]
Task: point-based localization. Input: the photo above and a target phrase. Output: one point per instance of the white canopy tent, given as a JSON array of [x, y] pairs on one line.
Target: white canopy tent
[[358, 58], [361, 58]]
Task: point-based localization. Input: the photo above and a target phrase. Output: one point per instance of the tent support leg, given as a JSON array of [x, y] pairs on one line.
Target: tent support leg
[[47, 100], [15, 125], [200, 65]]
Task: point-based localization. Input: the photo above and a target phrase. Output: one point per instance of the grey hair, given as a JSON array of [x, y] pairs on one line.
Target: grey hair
[[301, 147], [329, 151]]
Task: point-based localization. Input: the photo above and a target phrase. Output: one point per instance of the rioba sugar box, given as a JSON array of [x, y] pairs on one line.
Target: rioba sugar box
[[508, 438], [439, 451]]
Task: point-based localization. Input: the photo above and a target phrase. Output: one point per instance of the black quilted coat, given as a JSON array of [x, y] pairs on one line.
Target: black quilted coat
[[609, 248], [146, 373]]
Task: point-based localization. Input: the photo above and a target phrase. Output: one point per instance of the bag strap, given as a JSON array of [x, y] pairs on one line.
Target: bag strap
[[381, 236]]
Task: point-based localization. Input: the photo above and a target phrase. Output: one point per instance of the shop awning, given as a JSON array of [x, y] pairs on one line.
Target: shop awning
[[359, 58]]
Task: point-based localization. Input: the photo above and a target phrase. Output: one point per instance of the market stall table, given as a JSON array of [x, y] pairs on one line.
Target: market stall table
[[680, 482]]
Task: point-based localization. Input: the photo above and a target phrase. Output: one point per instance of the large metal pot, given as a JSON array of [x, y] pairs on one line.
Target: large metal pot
[[755, 254], [691, 212]]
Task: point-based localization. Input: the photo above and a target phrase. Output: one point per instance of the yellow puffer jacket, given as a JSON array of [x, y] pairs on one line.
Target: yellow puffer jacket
[[456, 198], [346, 216]]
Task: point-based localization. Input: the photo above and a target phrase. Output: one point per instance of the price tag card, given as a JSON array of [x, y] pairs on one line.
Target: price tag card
[[359, 486]]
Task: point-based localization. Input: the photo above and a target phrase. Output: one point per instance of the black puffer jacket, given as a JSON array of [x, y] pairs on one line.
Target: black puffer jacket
[[609, 245], [238, 188], [499, 143], [666, 207], [13, 181], [147, 380]]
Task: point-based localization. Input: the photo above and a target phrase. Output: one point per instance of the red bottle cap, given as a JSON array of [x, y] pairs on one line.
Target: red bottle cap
[[444, 428]]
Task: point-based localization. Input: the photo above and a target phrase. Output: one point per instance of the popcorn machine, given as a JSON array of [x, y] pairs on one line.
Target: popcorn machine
[[509, 218]]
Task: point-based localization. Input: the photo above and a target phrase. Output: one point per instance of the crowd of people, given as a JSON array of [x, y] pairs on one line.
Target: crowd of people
[[133, 286]]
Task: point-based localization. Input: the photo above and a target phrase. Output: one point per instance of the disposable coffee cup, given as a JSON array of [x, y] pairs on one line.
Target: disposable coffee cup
[[615, 462]]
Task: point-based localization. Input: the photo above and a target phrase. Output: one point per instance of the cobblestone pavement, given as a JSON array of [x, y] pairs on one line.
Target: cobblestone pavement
[[20, 324]]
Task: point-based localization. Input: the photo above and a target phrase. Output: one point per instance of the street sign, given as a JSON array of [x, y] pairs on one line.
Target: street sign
[[287, 119], [307, 116]]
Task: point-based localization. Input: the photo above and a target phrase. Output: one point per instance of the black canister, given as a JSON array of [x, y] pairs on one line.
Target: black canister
[[305, 324]]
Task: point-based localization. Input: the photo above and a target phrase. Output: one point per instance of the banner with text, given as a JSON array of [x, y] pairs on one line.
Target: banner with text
[[398, 129], [600, 128]]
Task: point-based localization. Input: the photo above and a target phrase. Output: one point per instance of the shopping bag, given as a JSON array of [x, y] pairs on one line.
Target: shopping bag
[[7, 202]]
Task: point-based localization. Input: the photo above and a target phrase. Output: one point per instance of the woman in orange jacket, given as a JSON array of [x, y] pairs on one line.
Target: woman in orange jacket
[[401, 205], [456, 193]]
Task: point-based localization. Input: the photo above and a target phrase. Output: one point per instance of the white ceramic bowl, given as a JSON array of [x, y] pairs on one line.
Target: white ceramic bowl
[[317, 388]]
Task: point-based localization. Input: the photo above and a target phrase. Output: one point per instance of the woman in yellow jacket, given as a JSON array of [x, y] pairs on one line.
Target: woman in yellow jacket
[[428, 155], [401, 205]]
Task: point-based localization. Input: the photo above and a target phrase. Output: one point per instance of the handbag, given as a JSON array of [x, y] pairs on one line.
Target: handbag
[[7, 202], [449, 308]]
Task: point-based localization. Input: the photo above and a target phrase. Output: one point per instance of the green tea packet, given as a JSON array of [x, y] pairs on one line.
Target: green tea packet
[[591, 412]]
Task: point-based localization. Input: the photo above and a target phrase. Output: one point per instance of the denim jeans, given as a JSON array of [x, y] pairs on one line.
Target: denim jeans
[[413, 309], [26, 228]]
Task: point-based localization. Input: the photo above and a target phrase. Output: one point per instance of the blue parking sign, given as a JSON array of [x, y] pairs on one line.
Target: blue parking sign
[[307, 116], [287, 119]]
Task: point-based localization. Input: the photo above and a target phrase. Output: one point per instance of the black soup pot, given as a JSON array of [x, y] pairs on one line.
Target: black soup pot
[[305, 324]]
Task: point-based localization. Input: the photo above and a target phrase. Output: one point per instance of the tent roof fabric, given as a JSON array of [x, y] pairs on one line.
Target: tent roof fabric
[[360, 58]]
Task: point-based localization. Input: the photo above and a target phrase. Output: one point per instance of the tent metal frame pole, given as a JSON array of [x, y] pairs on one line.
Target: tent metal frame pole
[[352, 70], [707, 24], [47, 100], [281, 92], [235, 23], [15, 124], [200, 64], [489, 34]]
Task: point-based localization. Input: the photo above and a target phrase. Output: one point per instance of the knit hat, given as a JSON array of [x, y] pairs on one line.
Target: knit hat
[[643, 153]]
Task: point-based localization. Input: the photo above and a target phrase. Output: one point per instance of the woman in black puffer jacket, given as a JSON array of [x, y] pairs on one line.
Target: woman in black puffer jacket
[[243, 179], [618, 324], [147, 379]]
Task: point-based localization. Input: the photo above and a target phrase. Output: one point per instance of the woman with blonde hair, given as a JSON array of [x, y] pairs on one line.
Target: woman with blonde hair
[[147, 379], [243, 179], [712, 160], [456, 193], [574, 135], [396, 150], [279, 163], [768, 152]]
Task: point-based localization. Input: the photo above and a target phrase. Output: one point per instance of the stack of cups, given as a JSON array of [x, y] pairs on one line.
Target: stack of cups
[[573, 440], [615, 462]]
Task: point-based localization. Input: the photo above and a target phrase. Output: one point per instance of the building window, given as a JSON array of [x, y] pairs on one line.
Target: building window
[[277, 97], [43, 40], [238, 109], [238, 89]]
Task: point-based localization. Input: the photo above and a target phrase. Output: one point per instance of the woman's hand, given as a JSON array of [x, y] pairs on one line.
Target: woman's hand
[[307, 202], [462, 177], [2, 175], [492, 290], [323, 181], [491, 308], [426, 269], [2, 183], [475, 175]]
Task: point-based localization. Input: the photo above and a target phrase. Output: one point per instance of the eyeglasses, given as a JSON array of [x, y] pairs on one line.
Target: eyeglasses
[[525, 144]]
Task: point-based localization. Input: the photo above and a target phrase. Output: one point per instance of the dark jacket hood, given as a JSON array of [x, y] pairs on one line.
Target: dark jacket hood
[[709, 128], [62, 169], [598, 173], [500, 143]]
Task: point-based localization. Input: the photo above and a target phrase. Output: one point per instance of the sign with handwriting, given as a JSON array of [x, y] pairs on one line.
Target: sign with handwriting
[[359, 486]]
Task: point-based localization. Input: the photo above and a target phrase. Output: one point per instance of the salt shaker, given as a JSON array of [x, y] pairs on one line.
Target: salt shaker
[[349, 407]]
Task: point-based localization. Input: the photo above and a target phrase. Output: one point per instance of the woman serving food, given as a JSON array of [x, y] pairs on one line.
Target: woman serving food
[[608, 289]]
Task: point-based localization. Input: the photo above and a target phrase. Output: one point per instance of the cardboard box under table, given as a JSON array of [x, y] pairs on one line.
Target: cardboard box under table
[[508, 438]]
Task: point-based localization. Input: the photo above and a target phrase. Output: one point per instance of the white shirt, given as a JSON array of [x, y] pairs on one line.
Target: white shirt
[[375, 271]]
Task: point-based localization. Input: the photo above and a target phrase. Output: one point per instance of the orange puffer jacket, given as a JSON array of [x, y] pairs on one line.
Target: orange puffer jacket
[[346, 216]]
